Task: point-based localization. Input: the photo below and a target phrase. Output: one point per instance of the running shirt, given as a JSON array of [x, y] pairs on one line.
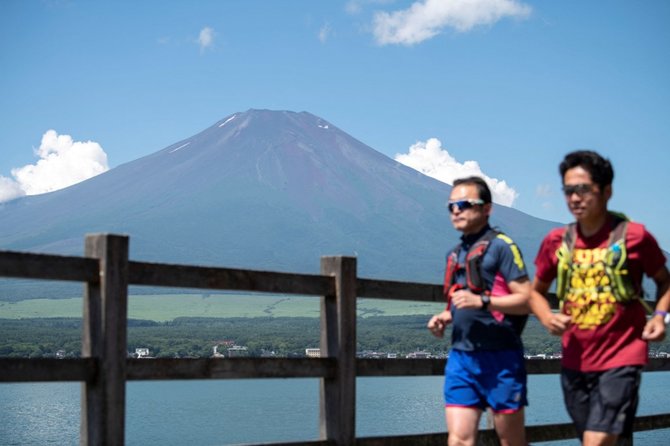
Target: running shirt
[[604, 333], [479, 329]]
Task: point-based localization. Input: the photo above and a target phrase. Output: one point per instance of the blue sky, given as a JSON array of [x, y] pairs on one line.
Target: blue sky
[[512, 85]]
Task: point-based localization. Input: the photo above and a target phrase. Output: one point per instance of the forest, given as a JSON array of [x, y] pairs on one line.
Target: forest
[[262, 336]]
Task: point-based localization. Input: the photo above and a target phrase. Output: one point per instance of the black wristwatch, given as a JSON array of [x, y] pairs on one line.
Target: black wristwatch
[[486, 300]]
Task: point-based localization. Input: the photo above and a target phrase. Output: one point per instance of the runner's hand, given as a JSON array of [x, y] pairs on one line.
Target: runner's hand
[[439, 322], [654, 330], [466, 299], [557, 323]]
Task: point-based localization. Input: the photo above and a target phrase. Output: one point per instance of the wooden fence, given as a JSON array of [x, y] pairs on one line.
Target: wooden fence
[[104, 367]]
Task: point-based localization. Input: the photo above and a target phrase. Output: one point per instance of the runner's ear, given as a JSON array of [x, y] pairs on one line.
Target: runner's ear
[[488, 208], [607, 192]]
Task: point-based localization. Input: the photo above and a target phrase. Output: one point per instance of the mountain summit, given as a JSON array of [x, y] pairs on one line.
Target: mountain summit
[[262, 190]]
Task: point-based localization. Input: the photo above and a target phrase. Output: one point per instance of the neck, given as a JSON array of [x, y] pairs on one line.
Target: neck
[[592, 226], [476, 230]]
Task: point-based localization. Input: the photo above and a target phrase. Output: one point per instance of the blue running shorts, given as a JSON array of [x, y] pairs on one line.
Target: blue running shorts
[[490, 378]]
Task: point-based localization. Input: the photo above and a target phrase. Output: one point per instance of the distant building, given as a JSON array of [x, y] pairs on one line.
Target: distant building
[[141, 353], [237, 351], [543, 356], [313, 352], [370, 354], [215, 352], [419, 355]]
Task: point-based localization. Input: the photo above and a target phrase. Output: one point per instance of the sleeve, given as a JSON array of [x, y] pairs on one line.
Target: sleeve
[[651, 255], [510, 260], [546, 261]]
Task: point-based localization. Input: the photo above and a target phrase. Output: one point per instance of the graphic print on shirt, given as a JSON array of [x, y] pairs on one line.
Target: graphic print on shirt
[[589, 300]]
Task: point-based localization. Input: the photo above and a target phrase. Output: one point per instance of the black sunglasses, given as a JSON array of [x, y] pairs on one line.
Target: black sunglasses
[[579, 189], [464, 204]]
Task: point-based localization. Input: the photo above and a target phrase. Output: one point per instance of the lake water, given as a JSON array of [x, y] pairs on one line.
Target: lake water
[[225, 412]]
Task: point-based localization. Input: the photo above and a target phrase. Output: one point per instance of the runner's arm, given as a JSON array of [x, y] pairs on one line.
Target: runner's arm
[[555, 323], [516, 302], [654, 330]]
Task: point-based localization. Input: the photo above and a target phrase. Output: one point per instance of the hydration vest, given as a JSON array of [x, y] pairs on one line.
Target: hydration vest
[[473, 267], [614, 263]]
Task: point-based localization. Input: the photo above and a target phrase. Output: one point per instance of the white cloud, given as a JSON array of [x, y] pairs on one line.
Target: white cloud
[[325, 32], [354, 7], [548, 206], [206, 38], [431, 159], [425, 19], [544, 191], [63, 162], [9, 189]]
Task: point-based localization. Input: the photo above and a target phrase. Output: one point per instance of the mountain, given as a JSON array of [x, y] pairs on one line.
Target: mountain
[[272, 190]]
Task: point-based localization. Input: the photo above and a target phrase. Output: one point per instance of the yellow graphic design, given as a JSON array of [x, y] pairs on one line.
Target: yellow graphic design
[[589, 300], [518, 260]]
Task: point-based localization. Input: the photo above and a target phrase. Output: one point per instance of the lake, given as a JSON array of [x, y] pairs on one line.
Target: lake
[[224, 412]]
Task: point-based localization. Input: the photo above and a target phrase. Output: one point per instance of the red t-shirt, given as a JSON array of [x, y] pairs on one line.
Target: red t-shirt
[[603, 334]]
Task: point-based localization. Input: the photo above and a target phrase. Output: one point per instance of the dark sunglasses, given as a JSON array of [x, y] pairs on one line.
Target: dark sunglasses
[[464, 204], [579, 189]]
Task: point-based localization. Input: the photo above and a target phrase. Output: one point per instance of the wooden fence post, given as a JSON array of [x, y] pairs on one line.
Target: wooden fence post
[[338, 340], [104, 338]]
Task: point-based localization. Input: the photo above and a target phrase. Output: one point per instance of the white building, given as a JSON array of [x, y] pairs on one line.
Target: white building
[[215, 353], [237, 351], [141, 352], [419, 355]]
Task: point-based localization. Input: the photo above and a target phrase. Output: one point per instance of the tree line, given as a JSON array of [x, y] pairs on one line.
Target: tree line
[[280, 336]]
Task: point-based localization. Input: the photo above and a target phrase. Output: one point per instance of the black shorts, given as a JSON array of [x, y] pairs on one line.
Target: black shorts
[[602, 401]]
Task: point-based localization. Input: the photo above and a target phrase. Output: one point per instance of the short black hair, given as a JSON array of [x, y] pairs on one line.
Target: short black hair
[[600, 168], [482, 187]]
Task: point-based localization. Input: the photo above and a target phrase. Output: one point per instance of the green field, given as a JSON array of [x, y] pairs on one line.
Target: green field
[[167, 307]]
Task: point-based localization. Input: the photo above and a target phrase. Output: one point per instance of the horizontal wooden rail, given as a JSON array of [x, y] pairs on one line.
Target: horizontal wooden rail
[[534, 434], [399, 367], [48, 267], [47, 369], [185, 276], [658, 365], [229, 368], [392, 290], [83, 369]]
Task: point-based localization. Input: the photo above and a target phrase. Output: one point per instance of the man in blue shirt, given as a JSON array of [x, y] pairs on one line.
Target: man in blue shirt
[[487, 290]]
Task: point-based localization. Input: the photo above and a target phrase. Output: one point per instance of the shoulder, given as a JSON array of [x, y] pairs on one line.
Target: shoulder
[[642, 245], [504, 238], [504, 248], [502, 242], [553, 239], [556, 234], [636, 232], [637, 235], [546, 260]]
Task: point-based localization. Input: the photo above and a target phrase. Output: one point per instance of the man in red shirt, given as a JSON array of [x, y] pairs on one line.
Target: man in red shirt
[[599, 262]]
